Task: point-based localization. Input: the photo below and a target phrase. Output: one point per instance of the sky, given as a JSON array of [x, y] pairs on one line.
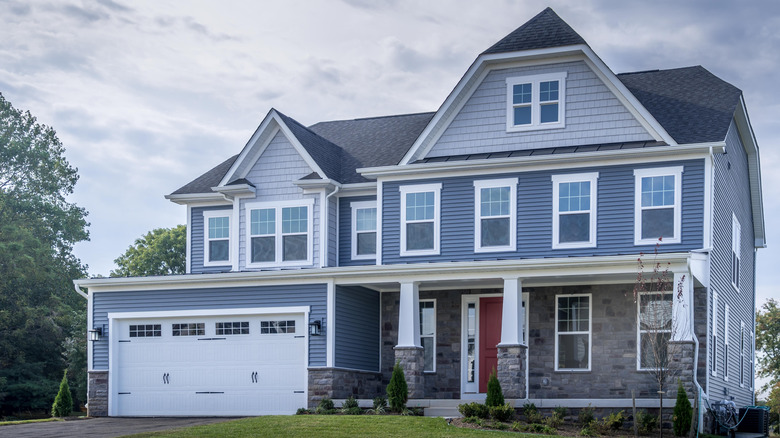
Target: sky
[[148, 95]]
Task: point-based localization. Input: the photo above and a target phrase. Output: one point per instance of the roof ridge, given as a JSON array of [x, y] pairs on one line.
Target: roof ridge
[[375, 117], [545, 30], [658, 70]]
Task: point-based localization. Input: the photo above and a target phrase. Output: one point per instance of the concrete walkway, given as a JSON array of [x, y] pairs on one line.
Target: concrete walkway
[[102, 427]]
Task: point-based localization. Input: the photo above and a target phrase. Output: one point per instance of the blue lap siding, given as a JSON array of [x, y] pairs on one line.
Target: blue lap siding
[[357, 328], [196, 240], [345, 231]]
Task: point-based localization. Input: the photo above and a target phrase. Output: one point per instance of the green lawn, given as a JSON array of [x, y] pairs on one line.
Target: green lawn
[[330, 426], [40, 420]]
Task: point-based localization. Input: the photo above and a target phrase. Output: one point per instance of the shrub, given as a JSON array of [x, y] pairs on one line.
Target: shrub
[[586, 416], [63, 402], [325, 407], [555, 420], [380, 406], [474, 409], [502, 413], [351, 407], [397, 391], [532, 414], [588, 431], [646, 423], [533, 428], [681, 420], [412, 412], [615, 420], [494, 395], [561, 411], [302, 411]]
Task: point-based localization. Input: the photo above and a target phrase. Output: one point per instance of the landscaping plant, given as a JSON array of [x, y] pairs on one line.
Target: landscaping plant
[[683, 412], [474, 409], [380, 406], [494, 395], [502, 413], [586, 416], [351, 407], [397, 391], [532, 414], [646, 422], [63, 402], [325, 407]]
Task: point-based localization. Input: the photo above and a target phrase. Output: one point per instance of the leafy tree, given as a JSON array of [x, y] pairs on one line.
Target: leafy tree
[[63, 402], [38, 229], [158, 252], [768, 342], [397, 390]]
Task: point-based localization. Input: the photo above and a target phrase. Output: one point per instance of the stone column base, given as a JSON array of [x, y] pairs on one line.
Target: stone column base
[[511, 370], [341, 383], [412, 361], [97, 393], [681, 354]]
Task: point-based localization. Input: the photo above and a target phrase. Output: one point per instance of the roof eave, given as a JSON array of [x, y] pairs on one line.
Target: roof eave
[[748, 138], [192, 198]]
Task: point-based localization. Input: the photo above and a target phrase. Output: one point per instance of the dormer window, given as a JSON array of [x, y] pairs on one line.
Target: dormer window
[[536, 102]]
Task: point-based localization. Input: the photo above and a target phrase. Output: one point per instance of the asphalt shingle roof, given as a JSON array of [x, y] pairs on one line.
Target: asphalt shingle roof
[[205, 182], [543, 31]]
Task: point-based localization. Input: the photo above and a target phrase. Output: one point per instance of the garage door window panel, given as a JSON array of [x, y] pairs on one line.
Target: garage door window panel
[[145, 330], [277, 327], [189, 329], [232, 328]]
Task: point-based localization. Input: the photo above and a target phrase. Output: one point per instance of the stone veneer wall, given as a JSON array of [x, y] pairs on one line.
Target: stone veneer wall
[[340, 383], [97, 393]]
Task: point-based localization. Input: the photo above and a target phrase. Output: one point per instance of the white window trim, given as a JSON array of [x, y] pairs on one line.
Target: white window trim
[[751, 361], [736, 245], [421, 188], [534, 80], [590, 332], [355, 206], [714, 346], [231, 238], [675, 171], [493, 183], [726, 344], [742, 354], [639, 329], [278, 241], [592, 178], [435, 333]]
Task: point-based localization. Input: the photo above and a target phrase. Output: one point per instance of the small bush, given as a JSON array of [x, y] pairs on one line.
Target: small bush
[[474, 409], [325, 407], [586, 416], [502, 413], [380, 406], [302, 411], [495, 397], [412, 412], [529, 407], [561, 411], [533, 428], [555, 420], [500, 426], [63, 402], [681, 420], [646, 423], [615, 420], [588, 431], [351, 407], [471, 420], [532, 414], [397, 391]]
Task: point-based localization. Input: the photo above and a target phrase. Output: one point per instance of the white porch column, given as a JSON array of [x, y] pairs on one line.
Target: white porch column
[[409, 315], [682, 307], [512, 314]]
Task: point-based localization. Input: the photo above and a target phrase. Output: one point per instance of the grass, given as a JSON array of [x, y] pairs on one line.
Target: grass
[[329, 426], [39, 420]]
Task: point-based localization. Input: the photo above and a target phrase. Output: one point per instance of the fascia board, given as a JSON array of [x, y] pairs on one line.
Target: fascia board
[[571, 160], [191, 198], [358, 189], [748, 138], [235, 190]]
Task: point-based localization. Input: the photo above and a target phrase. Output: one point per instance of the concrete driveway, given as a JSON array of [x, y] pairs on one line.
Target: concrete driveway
[[103, 427]]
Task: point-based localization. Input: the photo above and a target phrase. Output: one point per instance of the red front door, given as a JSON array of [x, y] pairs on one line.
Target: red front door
[[489, 337]]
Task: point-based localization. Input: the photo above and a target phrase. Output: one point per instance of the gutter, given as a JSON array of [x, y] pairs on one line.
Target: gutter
[[78, 289]]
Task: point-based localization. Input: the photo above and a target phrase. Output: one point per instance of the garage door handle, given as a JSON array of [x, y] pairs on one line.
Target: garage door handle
[[254, 377], [166, 379]]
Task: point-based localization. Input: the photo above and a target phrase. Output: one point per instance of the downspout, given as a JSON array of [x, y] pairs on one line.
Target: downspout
[[324, 231], [78, 290]]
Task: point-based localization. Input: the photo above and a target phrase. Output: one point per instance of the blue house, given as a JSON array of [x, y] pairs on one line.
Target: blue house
[[500, 232]]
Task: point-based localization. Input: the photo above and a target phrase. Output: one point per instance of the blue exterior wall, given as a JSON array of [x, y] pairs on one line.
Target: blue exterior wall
[[615, 215], [196, 236], [345, 231], [313, 295], [357, 328], [731, 194]]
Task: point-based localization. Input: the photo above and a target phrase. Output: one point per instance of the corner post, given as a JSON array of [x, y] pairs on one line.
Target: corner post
[[512, 350], [409, 351]]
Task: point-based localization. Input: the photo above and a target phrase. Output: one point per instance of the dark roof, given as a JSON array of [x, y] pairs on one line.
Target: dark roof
[[692, 104], [545, 30], [326, 154], [205, 182]]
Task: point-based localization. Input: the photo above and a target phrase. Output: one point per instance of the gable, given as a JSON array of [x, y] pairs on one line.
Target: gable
[[275, 170], [593, 115]]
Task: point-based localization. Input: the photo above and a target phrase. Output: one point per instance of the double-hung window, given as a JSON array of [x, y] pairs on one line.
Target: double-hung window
[[714, 346], [217, 248], [363, 230], [736, 242], [742, 355], [428, 333], [657, 206], [726, 344], [279, 233], [495, 221], [536, 102], [655, 329], [572, 332], [420, 219], [574, 210]]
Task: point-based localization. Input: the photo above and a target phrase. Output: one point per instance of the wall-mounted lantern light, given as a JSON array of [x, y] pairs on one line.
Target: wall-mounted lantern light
[[315, 328], [95, 334]]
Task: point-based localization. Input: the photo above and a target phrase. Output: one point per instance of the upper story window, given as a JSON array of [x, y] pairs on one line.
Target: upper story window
[[279, 233], [736, 244], [572, 332], [217, 247], [420, 219], [657, 205], [574, 210], [363, 230], [536, 102], [655, 329], [495, 219]]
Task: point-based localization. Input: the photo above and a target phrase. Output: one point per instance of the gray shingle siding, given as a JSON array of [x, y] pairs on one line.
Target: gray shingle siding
[[313, 295], [197, 236], [615, 215], [593, 115], [731, 194], [357, 328], [345, 231]]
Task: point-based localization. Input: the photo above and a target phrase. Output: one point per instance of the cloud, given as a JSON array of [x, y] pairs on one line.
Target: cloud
[[84, 15]]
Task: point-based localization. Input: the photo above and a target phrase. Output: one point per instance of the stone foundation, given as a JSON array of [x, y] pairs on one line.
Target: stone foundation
[[413, 363], [338, 383], [511, 370], [681, 359], [97, 393]]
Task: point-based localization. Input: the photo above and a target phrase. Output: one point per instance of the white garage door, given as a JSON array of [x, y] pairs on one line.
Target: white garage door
[[226, 365]]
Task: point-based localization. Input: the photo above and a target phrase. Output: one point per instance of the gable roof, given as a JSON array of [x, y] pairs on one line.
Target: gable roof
[[543, 31], [692, 104], [205, 182]]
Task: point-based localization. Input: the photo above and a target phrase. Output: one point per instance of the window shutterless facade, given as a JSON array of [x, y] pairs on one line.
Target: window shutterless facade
[[573, 332], [364, 237], [536, 102], [736, 242], [279, 233], [658, 205], [495, 215], [574, 210], [420, 219], [428, 334], [217, 241], [654, 329]]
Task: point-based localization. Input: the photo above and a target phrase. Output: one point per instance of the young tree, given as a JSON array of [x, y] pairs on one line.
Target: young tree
[[158, 252], [397, 389], [768, 342]]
